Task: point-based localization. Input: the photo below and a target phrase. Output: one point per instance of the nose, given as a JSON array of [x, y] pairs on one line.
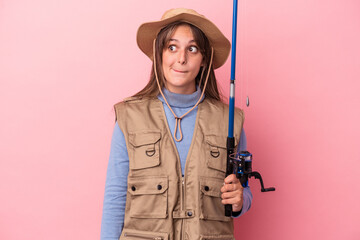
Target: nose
[[182, 57]]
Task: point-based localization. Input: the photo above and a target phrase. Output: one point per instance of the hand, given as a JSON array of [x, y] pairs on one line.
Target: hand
[[232, 193]]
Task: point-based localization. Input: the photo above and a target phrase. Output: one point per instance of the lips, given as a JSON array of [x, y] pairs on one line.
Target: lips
[[178, 71]]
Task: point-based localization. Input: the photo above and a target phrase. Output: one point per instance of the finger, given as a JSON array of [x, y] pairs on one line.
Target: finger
[[234, 200], [228, 188], [231, 178], [228, 195], [231, 187]]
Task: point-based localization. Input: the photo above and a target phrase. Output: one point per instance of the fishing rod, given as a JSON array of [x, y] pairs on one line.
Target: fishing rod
[[240, 163]]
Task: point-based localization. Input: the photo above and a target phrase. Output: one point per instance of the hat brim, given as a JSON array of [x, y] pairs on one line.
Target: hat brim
[[147, 32]]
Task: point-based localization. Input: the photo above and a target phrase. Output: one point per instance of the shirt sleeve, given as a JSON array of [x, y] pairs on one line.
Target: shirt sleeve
[[247, 195], [115, 187]]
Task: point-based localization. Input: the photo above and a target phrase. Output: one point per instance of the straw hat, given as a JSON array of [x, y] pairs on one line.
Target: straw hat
[[147, 32]]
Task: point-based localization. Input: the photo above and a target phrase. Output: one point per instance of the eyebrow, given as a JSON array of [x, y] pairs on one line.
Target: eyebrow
[[172, 39]]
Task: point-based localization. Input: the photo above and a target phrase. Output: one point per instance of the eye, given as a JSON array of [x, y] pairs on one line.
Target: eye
[[193, 49], [172, 48]]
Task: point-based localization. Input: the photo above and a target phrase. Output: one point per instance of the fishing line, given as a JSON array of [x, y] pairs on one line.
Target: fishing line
[[243, 67]]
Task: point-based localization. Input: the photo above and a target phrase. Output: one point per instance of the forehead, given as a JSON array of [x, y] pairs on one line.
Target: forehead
[[183, 30]]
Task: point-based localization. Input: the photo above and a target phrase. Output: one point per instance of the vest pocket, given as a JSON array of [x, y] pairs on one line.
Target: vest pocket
[[148, 196], [216, 153], [211, 207], [144, 149], [217, 237], [131, 234]]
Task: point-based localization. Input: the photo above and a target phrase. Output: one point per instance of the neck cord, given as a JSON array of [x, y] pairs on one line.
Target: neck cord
[[178, 119]]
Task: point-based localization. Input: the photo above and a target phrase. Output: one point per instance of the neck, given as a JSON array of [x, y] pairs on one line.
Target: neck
[[181, 90], [181, 100]]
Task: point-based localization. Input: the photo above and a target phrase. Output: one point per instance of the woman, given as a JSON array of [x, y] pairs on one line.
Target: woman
[[166, 173]]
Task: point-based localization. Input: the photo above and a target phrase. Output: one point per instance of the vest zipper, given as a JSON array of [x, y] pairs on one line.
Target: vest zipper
[[183, 207], [179, 164], [183, 195], [140, 236], [185, 171]]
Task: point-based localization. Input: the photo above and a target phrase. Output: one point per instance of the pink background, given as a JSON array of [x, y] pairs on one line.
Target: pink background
[[63, 64]]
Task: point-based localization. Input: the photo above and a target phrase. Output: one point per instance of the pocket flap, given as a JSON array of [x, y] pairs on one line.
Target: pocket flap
[[218, 141], [137, 234], [138, 139], [211, 186], [147, 185], [217, 237]]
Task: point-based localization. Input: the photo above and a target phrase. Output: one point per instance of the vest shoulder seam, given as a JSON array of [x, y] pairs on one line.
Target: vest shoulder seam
[[130, 100]]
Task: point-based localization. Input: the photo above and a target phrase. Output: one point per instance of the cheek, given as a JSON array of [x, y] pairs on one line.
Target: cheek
[[197, 64], [166, 59], [165, 66]]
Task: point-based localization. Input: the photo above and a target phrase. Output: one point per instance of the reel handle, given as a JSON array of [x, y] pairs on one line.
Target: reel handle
[[268, 189], [257, 175]]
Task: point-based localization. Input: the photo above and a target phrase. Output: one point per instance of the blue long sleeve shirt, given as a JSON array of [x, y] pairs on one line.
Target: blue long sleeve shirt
[[118, 166]]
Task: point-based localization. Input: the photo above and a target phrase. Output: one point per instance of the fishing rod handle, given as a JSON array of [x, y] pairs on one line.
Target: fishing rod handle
[[230, 145]]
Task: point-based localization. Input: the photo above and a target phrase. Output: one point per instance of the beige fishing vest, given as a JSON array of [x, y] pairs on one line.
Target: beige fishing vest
[[160, 203]]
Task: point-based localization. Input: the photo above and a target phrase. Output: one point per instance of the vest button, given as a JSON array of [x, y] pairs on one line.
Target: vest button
[[206, 188], [159, 187], [133, 188], [189, 214]]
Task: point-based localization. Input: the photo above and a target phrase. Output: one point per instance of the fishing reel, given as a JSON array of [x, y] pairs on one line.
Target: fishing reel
[[241, 163]]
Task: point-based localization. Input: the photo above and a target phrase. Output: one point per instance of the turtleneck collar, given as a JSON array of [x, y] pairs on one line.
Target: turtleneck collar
[[181, 100]]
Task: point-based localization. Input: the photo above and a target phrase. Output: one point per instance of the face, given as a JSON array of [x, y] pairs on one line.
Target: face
[[181, 61]]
